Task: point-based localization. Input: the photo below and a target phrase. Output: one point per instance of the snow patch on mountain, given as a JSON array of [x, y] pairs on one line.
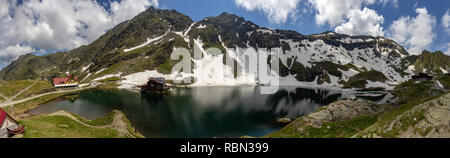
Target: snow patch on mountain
[[89, 74], [101, 70], [86, 67], [149, 40], [347, 74], [371, 84], [443, 70], [210, 70], [107, 76], [350, 40], [269, 31], [201, 26], [140, 78]]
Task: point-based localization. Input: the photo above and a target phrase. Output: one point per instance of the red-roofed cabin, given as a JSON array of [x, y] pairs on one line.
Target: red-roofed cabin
[[9, 126], [69, 81]]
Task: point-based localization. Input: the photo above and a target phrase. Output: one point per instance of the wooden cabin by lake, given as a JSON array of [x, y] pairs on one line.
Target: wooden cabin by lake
[[155, 84], [422, 77], [67, 82]]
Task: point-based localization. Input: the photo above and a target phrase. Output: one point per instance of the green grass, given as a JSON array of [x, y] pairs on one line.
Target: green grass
[[10, 88], [62, 127], [111, 79], [108, 85], [110, 70], [445, 80], [130, 127], [28, 105], [406, 121], [38, 88], [409, 94], [360, 79], [342, 129], [410, 91], [108, 119], [166, 67], [432, 61]]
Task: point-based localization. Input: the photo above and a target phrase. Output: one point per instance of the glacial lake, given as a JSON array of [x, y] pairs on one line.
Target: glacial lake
[[203, 112]]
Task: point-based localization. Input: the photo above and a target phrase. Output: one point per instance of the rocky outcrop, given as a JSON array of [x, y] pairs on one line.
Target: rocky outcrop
[[349, 118], [327, 121], [427, 120], [340, 111]]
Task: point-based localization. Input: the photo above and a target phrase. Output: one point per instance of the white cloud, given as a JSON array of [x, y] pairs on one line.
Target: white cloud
[[351, 17], [416, 33], [446, 21], [277, 11], [59, 24], [4, 7], [386, 2], [333, 11], [125, 10], [12, 52], [448, 49], [362, 22]]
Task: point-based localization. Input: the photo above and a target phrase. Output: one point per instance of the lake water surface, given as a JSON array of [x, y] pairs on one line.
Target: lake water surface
[[201, 111]]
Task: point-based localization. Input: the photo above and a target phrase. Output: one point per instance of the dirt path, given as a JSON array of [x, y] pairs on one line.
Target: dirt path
[[19, 93], [117, 124], [9, 103], [4, 97]]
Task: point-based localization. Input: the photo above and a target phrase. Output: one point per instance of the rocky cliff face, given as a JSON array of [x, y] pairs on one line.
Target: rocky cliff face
[[432, 62], [147, 41]]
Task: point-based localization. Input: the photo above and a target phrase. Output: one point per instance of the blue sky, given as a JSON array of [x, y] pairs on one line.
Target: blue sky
[[305, 23], [47, 26]]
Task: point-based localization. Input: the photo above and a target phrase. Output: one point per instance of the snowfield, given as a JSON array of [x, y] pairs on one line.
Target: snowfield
[[147, 42], [209, 70], [139, 78], [108, 76]]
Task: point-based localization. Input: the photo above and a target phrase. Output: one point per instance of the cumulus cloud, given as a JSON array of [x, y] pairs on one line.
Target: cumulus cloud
[[416, 33], [386, 2], [277, 11], [362, 22], [11, 52], [446, 21], [351, 17], [333, 12], [4, 7], [448, 48], [124, 10], [59, 24]]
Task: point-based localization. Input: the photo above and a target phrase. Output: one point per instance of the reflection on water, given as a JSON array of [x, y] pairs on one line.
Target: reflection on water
[[201, 111]]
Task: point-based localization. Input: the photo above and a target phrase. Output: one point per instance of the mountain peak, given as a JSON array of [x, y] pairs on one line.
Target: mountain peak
[[228, 17]]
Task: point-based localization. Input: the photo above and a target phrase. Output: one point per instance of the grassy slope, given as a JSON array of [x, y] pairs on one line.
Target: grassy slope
[[28, 105], [62, 127], [10, 88], [108, 119], [445, 80], [409, 95], [343, 129], [360, 79], [432, 61], [38, 88]]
